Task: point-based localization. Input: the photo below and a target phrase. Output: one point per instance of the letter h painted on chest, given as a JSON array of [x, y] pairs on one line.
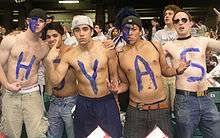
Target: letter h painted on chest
[[26, 67]]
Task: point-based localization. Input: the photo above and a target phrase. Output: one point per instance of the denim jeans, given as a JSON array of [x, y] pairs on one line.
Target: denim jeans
[[59, 115], [192, 112]]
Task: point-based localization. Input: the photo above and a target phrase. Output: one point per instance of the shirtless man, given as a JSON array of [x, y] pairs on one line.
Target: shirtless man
[[192, 106], [142, 64], [64, 95], [93, 65], [21, 100]]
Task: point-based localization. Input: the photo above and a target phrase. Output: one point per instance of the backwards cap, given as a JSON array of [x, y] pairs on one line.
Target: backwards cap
[[38, 13], [81, 20], [132, 20]]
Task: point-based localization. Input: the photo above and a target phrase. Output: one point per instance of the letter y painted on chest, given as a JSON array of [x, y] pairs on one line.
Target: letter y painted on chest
[[26, 67], [139, 74], [92, 79]]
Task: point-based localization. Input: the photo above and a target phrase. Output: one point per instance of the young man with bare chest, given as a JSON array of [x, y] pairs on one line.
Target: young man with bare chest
[[93, 65], [193, 108], [142, 64], [65, 94], [21, 100]]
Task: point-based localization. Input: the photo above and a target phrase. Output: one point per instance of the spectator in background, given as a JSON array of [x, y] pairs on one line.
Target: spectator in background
[[50, 19], [69, 39], [114, 33], [100, 36], [163, 36], [155, 27]]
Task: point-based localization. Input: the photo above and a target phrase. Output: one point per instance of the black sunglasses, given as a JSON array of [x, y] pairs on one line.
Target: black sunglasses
[[183, 20]]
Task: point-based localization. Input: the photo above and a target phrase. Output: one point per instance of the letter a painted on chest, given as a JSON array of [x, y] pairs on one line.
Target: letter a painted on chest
[[26, 67], [92, 79], [139, 74]]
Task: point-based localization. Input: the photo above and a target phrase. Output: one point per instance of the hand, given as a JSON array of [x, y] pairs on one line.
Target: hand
[[14, 87], [109, 44], [182, 67], [54, 52], [217, 13], [113, 86]]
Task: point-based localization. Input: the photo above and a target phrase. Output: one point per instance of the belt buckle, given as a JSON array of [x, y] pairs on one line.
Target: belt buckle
[[200, 93]]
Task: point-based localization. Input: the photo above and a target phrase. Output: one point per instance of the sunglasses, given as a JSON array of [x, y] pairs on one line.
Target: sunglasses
[[183, 20]]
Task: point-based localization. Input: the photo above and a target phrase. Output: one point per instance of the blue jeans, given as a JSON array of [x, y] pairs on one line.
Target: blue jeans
[[192, 112], [59, 114]]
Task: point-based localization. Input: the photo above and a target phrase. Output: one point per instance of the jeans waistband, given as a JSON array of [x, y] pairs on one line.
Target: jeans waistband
[[191, 93], [64, 101]]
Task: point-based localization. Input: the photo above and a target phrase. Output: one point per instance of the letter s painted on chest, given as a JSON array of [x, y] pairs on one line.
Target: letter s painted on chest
[[183, 57], [139, 74], [92, 79]]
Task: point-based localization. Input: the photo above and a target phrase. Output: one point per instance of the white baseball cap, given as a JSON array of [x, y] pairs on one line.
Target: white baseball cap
[[81, 20]]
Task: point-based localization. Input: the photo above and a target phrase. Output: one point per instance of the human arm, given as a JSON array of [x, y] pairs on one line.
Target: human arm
[[57, 74], [214, 44], [166, 70], [5, 49]]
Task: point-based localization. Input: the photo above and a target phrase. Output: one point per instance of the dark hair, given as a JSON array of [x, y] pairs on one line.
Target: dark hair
[[55, 26], [189, 16], [173, 8]]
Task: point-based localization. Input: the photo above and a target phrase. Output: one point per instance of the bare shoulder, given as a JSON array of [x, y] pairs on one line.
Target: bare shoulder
[[9, 41]]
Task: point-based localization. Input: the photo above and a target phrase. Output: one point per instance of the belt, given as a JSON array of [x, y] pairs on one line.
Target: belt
[[29, 89], [188, 93], [154, 106]]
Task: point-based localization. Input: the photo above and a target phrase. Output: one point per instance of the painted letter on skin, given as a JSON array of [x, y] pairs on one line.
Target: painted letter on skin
[[92, 79], [183, 57], [139, 74], [26, 67], [62, 83]]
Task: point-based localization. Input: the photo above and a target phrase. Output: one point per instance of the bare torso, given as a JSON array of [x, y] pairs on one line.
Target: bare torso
[[91, 69], [193, 49], [23, 61], [141, 65], [67, 87]]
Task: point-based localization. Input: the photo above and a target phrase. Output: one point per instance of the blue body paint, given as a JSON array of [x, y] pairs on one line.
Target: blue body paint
[[92, 79], [27, 67], [183, 57], [61, 86], [139, 74], [126, 31], [32, 23], [62, 83]]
